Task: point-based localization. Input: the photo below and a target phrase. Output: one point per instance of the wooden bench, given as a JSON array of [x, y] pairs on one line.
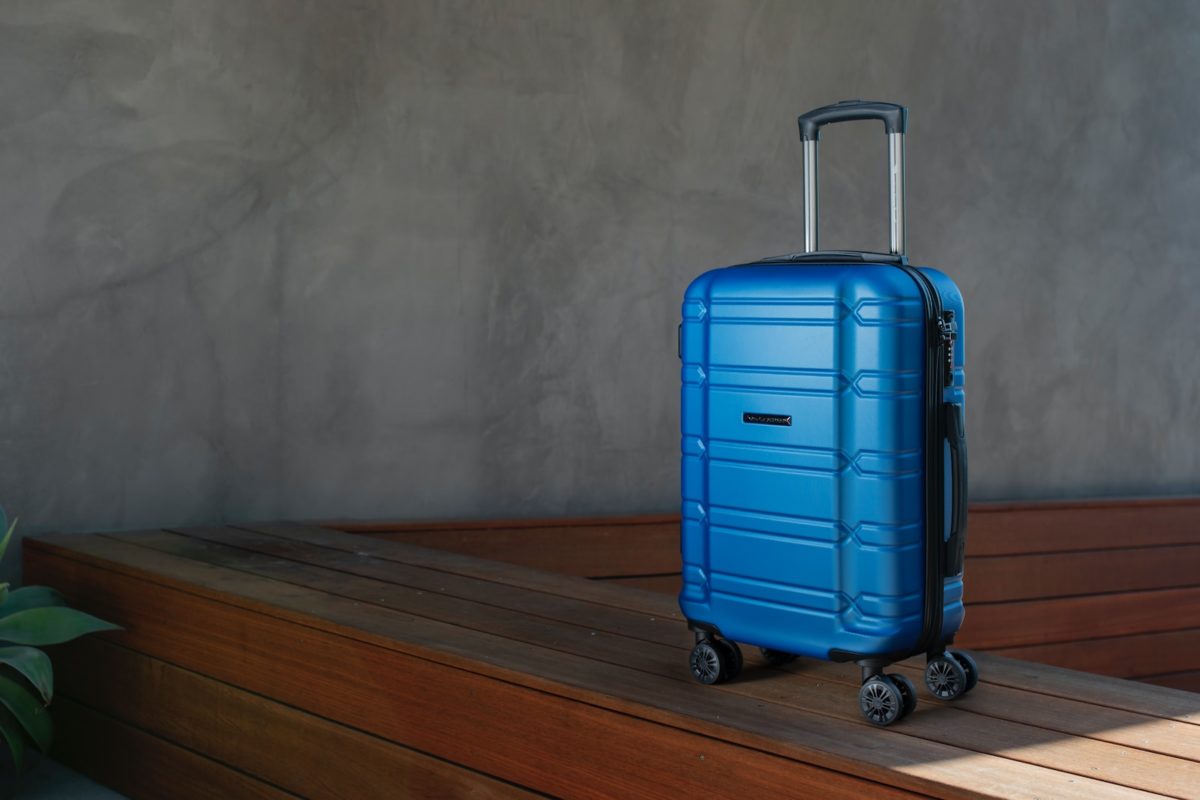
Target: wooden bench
[[288, 660], [1105, 586]]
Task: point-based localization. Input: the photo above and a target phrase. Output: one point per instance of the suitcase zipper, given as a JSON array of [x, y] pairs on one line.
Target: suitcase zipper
[[940, 335]]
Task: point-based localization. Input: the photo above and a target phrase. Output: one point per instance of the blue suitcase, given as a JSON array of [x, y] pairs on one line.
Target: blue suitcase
[[824, 462]]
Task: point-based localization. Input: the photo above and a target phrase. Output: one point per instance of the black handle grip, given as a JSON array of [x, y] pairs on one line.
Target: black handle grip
[[895, 118], [956, 436]]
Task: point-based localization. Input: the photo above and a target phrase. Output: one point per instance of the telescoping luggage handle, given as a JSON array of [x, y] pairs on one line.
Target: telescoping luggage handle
[[895, 121]]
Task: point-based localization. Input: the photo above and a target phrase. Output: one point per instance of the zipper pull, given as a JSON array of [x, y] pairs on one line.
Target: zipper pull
[[948, 330]]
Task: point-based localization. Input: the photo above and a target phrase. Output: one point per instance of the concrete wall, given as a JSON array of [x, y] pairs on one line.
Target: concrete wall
[[272, 258]]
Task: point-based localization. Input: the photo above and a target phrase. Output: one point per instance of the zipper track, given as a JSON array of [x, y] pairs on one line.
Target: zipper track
[[935, 467]]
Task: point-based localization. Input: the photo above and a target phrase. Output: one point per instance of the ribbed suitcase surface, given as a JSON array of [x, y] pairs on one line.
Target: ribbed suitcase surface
[[824, 455], [803, 443]]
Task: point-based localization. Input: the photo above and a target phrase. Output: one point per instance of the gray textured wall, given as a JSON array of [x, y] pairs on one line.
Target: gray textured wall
[[271, 258]]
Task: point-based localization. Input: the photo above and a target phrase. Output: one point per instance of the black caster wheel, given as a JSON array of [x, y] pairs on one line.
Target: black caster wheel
[[733, 656], [881, 701], [709, 662], [945, 678], [776, 658], [908, 693], [969, 666]]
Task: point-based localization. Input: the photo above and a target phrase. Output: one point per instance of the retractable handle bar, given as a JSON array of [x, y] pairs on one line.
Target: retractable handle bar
[[895, 122]]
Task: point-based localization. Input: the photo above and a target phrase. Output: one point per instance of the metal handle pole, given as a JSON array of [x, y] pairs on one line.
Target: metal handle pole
[[896, 193], [810, 195]]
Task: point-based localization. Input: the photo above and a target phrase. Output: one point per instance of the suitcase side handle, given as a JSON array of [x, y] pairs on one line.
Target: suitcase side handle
[[956, 436], [895, 123]]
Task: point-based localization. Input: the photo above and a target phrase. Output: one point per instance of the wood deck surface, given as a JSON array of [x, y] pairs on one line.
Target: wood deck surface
[[1107, 586], [287, 660]]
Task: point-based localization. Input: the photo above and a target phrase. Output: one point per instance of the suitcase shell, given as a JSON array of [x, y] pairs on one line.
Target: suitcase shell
[[824, 451], [803, 416]]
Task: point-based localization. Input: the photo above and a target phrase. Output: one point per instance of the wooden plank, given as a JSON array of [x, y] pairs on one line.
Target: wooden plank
[[1098, 690], [1016, 528], [359, 526], [532, 720], [996, 625], [664, 584], [592, 551], [639, 555], [140, 765], [1045, 575], [995, 529], [1048, 680], [1187, 681], [247, 551], [1101, 615], [506, 574], [1028, 622], [1120, 656], [285, 746], [1081, 756], [261, 554], [1056, 550], [154, 614]]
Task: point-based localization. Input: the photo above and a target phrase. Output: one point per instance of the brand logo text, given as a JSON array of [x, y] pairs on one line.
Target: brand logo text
[[767, 419]]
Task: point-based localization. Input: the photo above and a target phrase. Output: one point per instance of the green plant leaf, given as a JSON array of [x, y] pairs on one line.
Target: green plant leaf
[[50, 625], [34, 665], [7, 536], [30, 597], [33, 716], [14, 735]]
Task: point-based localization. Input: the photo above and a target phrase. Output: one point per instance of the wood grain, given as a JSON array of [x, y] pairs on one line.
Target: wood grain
[[1017, 528], [370, 526], [288, 747], [995, 529], [1043, 579], [1018, 674], [260, 555], [1123, 656], [140, 765], [1028, 622], [592, 551], [545, 681], [559, 741], [664, 584], [1187, 681], [1045, 575]]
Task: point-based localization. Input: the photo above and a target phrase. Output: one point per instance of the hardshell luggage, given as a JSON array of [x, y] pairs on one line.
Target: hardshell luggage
[[824, 455]]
